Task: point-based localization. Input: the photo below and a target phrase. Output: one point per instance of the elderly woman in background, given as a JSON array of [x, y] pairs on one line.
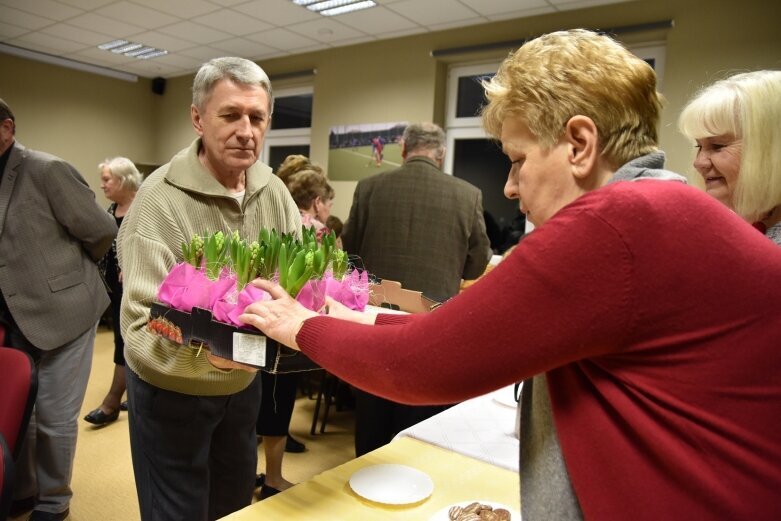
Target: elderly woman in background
[[119, 180], [656, 349], [295, 163], [736, 124], [314, 197]]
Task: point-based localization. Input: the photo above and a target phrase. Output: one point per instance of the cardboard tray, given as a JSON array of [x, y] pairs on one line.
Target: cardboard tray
[[389, 294], [248, 346]]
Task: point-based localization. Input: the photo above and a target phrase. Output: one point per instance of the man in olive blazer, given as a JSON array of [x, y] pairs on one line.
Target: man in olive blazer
[[423, 228], [51, 296]]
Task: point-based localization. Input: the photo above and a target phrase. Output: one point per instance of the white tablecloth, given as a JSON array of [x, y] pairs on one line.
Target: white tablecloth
[[482, 428]]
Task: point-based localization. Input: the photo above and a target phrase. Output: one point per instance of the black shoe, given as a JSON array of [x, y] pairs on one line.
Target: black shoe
[[259, 480], [20, 506], [123, 406], [39, 515], [266, 492], [293, 445], [98, 417]]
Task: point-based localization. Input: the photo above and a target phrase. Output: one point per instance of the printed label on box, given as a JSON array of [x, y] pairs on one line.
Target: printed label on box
[[249, 349]]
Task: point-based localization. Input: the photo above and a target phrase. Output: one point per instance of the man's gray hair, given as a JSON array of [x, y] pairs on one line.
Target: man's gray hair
[[236, 69], [428, 137]]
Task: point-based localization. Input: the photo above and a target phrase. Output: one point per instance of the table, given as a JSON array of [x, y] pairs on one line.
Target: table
[[328, 496], [482, 428]]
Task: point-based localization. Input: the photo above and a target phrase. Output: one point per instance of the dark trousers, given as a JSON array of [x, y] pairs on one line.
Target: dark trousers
[[276, 403], [378, 420], [194, 457]]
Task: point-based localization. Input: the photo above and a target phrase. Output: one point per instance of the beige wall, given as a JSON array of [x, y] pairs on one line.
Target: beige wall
[[83, 118], [86, 117]]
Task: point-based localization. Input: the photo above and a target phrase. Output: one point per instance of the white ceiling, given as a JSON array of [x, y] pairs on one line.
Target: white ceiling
[[194, 31]]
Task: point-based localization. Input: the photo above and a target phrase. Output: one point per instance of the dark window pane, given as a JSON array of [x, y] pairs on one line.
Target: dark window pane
[[482, 163], [292, 112], [471, 96], [276, 155]]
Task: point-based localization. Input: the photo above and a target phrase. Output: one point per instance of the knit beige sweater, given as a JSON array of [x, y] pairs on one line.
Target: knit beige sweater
[[177, 201]]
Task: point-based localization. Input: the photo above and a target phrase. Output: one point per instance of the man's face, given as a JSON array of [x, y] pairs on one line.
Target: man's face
[[232, 125], [6, 134]]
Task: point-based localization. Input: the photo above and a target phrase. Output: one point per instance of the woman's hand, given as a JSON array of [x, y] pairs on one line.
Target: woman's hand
[[338, 310], [280, 318]]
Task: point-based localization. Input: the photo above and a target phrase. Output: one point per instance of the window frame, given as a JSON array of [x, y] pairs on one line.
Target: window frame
[[288, 136]]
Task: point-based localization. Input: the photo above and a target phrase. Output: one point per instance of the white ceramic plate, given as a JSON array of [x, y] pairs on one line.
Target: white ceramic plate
[[443, 515], [392, 484], [505, 396]]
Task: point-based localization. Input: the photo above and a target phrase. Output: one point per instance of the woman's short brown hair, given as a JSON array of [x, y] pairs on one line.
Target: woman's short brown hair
[[560, 75]]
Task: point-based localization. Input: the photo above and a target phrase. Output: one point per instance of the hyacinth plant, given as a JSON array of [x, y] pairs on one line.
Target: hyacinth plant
[[292, 262]]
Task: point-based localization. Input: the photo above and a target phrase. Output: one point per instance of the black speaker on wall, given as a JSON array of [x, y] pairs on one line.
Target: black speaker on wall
[[158, 85]]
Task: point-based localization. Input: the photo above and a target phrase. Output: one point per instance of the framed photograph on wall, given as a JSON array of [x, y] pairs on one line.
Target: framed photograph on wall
[[358, 151]]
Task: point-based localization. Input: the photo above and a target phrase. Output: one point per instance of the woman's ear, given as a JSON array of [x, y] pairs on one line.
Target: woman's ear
[[583, 138]]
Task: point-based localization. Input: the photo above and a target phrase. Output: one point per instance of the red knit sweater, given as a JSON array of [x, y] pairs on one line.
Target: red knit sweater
[[655, 313]]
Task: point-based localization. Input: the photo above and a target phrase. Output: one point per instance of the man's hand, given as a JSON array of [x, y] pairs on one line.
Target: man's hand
[[226, 365]]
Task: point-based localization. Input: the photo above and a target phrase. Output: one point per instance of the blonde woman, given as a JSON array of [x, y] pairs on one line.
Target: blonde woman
[[119, 180], [736, 126]]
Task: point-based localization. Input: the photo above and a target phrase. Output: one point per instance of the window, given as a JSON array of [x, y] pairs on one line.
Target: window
[[290, 126], [472, 156]]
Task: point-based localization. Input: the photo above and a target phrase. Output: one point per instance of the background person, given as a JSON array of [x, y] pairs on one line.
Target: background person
[[51, 297], [314, 198], [659, 347], [420, 227], [736, 124], [192, 416], [119, 180]]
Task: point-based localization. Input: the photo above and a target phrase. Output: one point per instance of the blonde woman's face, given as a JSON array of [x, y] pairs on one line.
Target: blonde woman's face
[[111, 185], [718, 162]]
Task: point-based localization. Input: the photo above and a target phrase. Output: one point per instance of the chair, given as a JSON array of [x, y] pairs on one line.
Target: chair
[[6, 479], [328, 386], [18, 389]]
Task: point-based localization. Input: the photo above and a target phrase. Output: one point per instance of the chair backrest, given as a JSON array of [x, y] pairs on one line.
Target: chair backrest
[[18, 389], [6, 479]]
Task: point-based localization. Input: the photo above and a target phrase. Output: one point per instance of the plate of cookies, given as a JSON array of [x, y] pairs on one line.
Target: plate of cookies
[[477, 511]]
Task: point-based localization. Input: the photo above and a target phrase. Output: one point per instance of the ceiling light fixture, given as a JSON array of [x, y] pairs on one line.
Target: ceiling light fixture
[[110, 45], [155, 54], [132, 49], [357, 6], [127, 47], [334, 7], [139, 52]]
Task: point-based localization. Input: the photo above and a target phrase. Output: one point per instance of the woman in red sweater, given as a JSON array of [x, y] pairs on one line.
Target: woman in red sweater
[[643, 311]]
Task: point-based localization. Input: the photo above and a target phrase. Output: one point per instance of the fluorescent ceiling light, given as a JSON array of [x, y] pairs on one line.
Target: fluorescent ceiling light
[[155, 54], [348, 8], [65, 62], [110, 45], [127, 47], [132, 49], [334, 7], [138, 52]]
